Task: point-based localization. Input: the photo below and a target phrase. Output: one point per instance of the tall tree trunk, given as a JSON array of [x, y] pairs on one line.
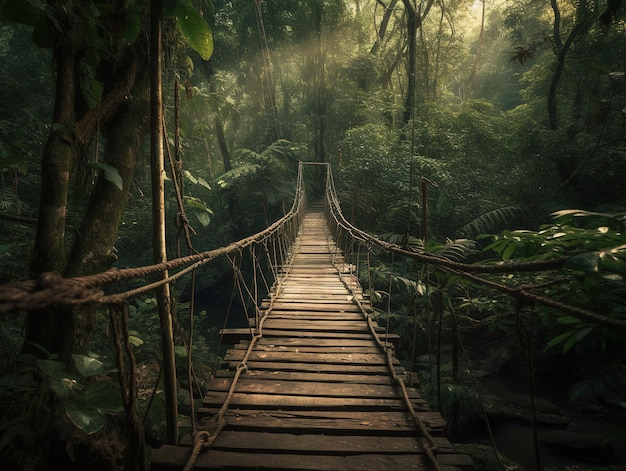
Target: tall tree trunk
[[269, 87], [411, 25], [221, 140], [558, 71], [53, 329], [479, 47], [320, 93], [384, 23], [158, 218], [93, 247], [414, 19]]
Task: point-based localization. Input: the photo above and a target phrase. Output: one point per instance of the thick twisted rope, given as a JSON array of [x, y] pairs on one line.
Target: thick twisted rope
[[204, 438], [469, 271], [51, 289], [430, 447]]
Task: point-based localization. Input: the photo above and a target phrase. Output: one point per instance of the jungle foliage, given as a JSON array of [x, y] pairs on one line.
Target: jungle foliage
[[508, 133]]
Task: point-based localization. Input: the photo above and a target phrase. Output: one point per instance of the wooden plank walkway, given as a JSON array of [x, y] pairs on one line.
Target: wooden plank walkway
[[318, 394]]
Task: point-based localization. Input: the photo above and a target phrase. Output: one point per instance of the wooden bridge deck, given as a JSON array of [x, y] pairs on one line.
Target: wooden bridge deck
[[318, 394]]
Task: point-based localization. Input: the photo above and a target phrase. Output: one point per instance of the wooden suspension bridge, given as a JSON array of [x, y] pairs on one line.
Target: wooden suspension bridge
[[317, 387]]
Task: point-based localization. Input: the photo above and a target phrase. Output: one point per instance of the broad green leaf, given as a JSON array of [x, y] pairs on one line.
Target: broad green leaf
[[203, 218], [110, 173], [133, 23], [558, 339], [508, 252], [86, 418], [190, 176], [569, 344], [103, 396], [581, 334], [204, 183], [195, 29], [52, 368], [87, 366]]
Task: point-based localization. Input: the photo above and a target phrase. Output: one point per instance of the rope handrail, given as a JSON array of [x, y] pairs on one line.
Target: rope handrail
[[522, 293], [51, 288], [430, 447]]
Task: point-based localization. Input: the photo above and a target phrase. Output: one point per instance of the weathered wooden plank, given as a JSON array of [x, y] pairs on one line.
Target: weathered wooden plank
[[251, 385], [242, 334], [310, 349], [314, 325], [274, 401], [276, 322], [310, 376], [287, 341], [271, 332], [316, 315], [313, 367], [330, 422], [319, 298], [356, 359], [322, 444], [314, 306], [317, 394], [171, 457]]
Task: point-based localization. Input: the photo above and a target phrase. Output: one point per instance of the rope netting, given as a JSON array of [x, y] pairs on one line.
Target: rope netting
[[361, 248], [51, 289], [343, 230], [265, 254]]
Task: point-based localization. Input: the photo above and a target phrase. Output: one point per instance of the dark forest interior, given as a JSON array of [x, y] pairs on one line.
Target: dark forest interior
[[476, 151]]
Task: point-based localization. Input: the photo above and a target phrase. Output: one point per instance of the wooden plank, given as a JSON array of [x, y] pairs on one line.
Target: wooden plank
[[356, 359], [331, 422], [314, 306], [311, 323], [317, 394], [171, 457], [313, 367], [322, 444], [251, 385], [310, 376], [319, 298], [271, 332], [317, 342], [316, 315], [274, 401], [310, 349]]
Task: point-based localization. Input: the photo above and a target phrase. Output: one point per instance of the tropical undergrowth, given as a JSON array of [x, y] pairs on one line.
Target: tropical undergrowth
[[453, 332]]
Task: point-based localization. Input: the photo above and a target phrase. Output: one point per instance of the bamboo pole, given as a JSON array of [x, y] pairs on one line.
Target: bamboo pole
[[158, 218]]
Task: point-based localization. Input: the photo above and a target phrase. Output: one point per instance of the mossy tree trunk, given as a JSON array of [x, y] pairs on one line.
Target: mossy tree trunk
[[92, 251], [121, 114], [50, 330]]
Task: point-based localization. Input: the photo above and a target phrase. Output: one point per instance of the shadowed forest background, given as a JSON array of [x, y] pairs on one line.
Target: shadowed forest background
[[480, 131]]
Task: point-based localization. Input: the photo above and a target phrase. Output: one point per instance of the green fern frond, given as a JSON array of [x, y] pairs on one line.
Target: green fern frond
[[459, 249], [491, 221]]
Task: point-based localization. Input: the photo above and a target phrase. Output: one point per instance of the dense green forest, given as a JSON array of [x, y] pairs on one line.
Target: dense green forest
[[481, 131]]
